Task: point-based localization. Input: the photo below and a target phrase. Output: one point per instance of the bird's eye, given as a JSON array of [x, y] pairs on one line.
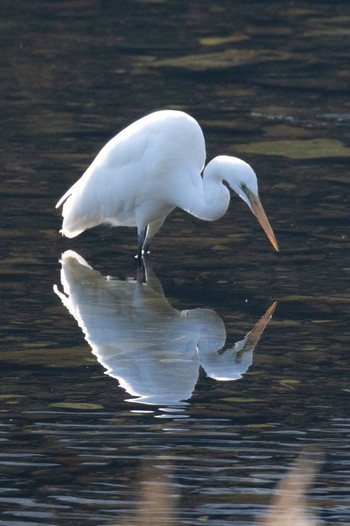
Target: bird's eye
[[244, 187]]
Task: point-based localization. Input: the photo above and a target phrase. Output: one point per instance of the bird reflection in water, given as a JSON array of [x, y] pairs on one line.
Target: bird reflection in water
[[153, 350]]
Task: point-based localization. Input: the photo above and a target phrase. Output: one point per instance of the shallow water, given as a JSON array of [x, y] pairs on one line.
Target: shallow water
[[179, 387]]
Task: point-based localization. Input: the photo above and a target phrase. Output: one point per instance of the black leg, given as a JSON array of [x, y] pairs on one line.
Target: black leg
[[147, 247], [140, 242], [147, 241]]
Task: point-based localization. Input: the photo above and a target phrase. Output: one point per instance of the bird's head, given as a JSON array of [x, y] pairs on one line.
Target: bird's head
[[242, 179]]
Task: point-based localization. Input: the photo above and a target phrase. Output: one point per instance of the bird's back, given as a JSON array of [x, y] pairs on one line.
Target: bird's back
[[135, 172]]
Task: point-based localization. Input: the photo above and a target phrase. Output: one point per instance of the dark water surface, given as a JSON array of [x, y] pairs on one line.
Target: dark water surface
[[206, 397]]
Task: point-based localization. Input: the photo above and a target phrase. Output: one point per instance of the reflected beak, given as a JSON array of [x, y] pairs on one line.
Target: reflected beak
[[258, 210]]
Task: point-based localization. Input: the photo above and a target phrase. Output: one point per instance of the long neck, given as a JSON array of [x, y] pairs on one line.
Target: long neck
[[209, 199]]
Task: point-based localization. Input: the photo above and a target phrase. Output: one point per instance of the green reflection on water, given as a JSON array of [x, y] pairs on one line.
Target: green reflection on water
[[298, 149]]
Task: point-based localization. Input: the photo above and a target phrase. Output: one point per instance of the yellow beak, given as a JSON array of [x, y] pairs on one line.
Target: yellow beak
[[258, 210]]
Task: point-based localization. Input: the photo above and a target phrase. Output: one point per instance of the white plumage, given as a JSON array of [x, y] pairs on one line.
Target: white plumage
[[148, 169]]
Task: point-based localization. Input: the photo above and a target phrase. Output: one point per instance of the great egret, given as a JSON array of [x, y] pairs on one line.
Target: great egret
[[150, 168]]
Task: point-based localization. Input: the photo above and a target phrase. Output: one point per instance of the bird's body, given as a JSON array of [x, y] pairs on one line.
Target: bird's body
[[148, 169]]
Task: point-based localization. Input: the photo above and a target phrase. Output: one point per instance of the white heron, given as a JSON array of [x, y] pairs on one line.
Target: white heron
[[150, 168]]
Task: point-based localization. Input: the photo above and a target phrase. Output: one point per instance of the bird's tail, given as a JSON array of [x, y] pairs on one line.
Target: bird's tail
[[74, 220]]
